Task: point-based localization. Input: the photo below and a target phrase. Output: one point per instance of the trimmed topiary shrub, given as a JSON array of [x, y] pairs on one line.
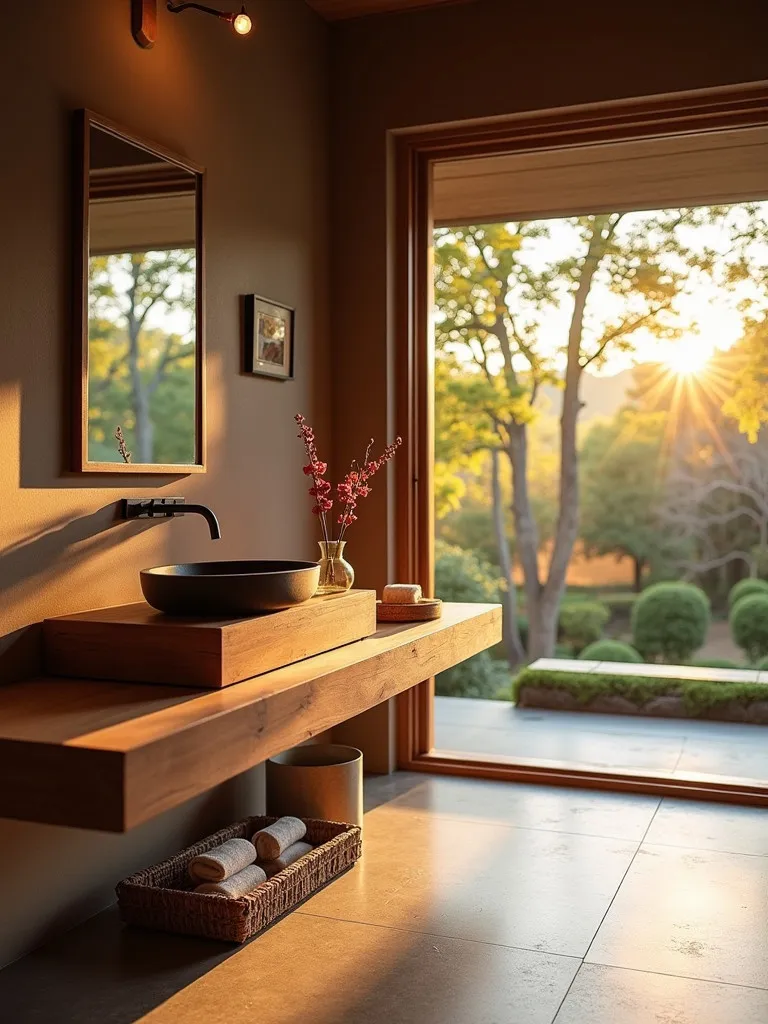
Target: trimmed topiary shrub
[[480, 676], [610, 650], [670, 621], [745, 588], [581, 623], [749, 625]]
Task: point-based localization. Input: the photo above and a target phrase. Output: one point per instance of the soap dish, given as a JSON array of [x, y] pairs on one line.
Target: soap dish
[[420, 611]]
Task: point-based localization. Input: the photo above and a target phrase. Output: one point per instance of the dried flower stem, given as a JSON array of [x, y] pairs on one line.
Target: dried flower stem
[[121, 446], [317, 470], [352, 489]]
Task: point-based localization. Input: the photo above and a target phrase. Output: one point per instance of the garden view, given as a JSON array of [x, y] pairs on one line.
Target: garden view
[[141, 355], [601, 459]]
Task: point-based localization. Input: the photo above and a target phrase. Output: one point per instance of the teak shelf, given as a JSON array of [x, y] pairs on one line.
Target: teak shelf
[[135, 643], [110, 755]]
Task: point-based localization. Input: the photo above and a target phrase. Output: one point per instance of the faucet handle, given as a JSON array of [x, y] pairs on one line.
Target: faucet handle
[[149, 508]]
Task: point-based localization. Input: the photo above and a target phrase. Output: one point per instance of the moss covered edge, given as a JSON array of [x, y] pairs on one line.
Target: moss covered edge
[[695, 698]]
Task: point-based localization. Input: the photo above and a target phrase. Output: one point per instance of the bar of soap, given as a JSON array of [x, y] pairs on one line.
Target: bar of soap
[[401, 593]]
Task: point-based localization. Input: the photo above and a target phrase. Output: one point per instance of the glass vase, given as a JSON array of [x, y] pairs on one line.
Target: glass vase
[[336, 574]]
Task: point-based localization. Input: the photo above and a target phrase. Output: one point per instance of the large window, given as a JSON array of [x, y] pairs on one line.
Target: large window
[[600, 399]]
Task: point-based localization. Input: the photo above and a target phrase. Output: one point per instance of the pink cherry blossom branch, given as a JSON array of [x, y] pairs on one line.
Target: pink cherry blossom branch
[[317, 470], [355, 485], [351, 490]]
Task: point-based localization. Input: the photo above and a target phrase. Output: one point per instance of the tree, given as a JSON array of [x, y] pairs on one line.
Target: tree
[[748, 403], [462, 434], [130, 357], [719, 501], [623, 488], [492, 303]]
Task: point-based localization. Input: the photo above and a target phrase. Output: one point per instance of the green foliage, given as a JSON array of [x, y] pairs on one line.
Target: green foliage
[[748, 403], [762, 664], [622, 490], [749, 625], [582, 622], [670, 621], [745, 588], [471, 527], [462, 576], [481, 676], [620, 601], [610, 650], [698, 697], [620, 605]]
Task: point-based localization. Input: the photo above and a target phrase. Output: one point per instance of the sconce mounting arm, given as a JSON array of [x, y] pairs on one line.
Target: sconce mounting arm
[[179, 7]]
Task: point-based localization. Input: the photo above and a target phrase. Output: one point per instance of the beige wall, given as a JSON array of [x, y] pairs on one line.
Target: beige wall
[[483, 59], [254, 112]]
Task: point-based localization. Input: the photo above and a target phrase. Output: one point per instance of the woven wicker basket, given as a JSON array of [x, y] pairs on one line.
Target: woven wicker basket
[[161, 897]]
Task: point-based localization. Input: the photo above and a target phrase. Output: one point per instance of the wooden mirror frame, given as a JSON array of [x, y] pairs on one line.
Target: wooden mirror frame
[[85, 120]]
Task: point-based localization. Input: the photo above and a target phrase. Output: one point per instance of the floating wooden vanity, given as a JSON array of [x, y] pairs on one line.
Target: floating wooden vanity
[[110, 755]]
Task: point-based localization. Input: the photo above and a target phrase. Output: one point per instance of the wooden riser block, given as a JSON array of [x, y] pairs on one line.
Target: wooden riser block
[[135, 643]]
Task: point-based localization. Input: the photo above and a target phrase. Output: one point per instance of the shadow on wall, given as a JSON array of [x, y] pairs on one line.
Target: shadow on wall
[[55, 546], [88, 866]]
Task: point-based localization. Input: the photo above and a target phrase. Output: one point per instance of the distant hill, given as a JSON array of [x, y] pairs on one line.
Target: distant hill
[[602, 396]]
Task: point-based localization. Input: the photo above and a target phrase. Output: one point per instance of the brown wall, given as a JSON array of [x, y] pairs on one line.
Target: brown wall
[[483, 59], [255, 113]]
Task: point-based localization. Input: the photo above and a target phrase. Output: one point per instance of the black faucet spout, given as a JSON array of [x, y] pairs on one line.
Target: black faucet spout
[[167, 508], [208, 515]]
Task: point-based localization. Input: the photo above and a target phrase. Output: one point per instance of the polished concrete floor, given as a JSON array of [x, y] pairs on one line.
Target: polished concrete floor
[[475, 903], [662, 746]]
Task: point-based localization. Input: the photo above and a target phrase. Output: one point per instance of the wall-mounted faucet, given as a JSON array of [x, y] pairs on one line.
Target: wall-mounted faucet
[[167, 508]]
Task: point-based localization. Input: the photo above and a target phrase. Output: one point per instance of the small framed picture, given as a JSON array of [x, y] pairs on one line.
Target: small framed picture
[[267, 338]]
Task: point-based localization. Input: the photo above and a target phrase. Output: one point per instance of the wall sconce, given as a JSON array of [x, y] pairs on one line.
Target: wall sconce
[[144, 18]]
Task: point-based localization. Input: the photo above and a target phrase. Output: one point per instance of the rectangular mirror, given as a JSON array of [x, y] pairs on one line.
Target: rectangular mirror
[[139, 373]]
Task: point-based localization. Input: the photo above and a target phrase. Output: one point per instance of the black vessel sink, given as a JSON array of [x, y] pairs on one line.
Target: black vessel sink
[[223, 589]]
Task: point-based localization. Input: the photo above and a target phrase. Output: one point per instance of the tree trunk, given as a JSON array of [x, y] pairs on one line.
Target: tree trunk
[[542, 627], [144, 429], [526, 532], [511, 632], [567, 528], [638, 582], [542, 621]]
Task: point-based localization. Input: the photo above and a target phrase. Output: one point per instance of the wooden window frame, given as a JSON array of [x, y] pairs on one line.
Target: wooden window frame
[[415, 153]]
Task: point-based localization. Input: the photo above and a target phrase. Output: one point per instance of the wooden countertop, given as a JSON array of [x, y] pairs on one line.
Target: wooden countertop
[[110, 755]]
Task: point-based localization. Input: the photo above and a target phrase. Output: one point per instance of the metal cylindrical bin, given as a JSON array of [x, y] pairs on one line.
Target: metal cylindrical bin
[[321, 781]]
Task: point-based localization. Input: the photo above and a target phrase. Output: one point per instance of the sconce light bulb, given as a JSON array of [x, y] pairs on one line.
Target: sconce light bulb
[[242, 23]]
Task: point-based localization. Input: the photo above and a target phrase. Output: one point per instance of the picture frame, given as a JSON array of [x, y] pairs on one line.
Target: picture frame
[[268, 338]]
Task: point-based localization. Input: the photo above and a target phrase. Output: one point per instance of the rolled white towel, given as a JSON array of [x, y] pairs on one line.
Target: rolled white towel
[[401, 593], [290, 856], [241, 884], [272, 842], [222, 861]]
